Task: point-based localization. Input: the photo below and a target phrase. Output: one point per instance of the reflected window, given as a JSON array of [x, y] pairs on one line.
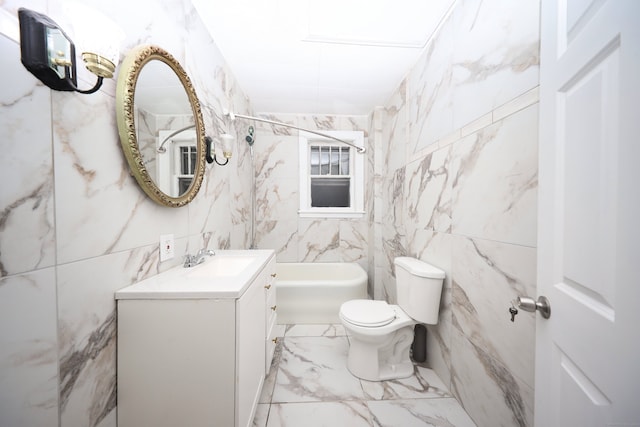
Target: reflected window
[[186, 158]]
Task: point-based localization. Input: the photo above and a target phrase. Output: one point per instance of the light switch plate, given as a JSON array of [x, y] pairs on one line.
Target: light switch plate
[[166, 247]]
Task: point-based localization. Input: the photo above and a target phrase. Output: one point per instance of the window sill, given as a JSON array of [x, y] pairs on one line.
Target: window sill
[[331, 214]]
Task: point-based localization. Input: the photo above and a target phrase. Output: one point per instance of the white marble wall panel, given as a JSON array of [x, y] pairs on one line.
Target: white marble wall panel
[[487, 277], [28, 350], [280, 236], [396, 131], [95, 195], [488, 391], [495, 55], [428, 193], [26, 169], [353, 242], [277, 177], [374, 139], [495, 179], [430, 91], [485, 54], [223, 197], [376, 131], [240, 180], [213, 208], [318, 240], [216, 85], [87, 332], [333, 122], [276, 172]]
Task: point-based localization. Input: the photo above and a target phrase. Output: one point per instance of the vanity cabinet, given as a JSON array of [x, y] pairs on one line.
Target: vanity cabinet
[[193, 361]]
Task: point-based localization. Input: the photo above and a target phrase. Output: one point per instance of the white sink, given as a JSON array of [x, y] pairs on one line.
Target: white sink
[[221, 266], [223, 275]]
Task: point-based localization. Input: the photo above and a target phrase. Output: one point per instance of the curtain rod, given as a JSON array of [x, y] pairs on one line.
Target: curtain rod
[[161, 148], [273, 122]]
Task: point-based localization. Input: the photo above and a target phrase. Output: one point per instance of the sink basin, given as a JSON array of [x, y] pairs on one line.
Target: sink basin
[[223, 275], [221, 266]]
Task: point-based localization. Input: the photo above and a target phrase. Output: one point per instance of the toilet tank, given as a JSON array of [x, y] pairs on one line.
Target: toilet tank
[[419, 287]]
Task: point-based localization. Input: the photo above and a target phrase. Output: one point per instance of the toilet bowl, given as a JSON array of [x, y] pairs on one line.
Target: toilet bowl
[[381, 333]]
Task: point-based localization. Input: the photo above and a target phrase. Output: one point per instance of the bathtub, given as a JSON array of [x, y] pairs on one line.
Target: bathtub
[[313, 292]]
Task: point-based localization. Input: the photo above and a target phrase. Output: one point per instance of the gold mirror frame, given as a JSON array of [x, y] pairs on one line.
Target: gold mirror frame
[[125, 97]]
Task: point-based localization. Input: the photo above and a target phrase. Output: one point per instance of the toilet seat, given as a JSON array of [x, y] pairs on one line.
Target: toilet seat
[[367, 313]]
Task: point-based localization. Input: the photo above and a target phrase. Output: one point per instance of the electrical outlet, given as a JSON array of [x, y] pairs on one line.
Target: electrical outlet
[[166, 247]]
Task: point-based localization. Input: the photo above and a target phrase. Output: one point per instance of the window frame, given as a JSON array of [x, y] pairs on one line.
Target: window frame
[[192, 160], [356, 169]]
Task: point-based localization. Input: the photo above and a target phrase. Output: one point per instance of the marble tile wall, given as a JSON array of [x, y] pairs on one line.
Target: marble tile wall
[[455, 185], [74, 225], [277, 195]]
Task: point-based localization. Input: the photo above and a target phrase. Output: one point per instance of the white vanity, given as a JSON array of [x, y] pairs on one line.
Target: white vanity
[[194, 344]]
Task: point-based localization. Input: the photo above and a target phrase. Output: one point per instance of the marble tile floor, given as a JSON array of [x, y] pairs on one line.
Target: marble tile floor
[[309, 385]]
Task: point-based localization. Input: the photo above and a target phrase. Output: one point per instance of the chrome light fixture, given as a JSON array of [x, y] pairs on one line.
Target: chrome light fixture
[[226, 141], [50, 55]]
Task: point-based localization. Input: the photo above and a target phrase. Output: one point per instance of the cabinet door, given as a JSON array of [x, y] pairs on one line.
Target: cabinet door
[[250, 318], [176, 363], [270, 314]]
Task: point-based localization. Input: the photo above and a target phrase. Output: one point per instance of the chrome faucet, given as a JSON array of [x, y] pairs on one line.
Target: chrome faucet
[[193, 260]]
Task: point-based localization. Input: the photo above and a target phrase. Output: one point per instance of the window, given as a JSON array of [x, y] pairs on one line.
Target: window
[[331, 176], [186, 160], [175, 168]]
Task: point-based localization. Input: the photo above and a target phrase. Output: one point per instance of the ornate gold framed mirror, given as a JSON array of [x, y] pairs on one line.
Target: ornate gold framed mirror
[[160, 125]]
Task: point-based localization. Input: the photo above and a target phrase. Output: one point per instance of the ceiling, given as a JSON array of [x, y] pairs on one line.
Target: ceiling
[[321, 56]]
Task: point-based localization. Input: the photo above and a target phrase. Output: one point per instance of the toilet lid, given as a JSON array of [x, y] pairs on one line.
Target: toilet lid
[[370, 313]]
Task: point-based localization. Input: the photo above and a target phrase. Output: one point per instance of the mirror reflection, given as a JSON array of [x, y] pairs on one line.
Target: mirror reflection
[[160, 125], [165, 128]]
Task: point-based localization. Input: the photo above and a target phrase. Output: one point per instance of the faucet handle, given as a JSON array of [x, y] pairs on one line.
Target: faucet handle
[[188, 260]]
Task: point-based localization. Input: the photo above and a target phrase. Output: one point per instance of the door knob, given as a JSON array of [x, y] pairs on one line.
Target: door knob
[[529, 304]]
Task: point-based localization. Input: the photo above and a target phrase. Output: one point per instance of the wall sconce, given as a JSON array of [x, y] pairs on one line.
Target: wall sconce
[[50, 55], [226, 141]]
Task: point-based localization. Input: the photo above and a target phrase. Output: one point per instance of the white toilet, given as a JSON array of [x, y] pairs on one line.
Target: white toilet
[[381, 334]]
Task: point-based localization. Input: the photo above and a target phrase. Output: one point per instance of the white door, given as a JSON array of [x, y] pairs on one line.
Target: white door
[[588, 351]]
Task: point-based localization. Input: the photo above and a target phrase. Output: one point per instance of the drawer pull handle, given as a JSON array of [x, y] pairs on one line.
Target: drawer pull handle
[[273, 307], [275, 340], [267, 286], [273, 274]]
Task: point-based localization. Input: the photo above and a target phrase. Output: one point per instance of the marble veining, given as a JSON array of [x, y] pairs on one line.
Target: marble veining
[[72, 364], [26, 169], [314, 388], [503, 158], [38, 199], [28, 349], [487, 389], [505, 380], [428, 190], [318, 240], [325, 374]]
